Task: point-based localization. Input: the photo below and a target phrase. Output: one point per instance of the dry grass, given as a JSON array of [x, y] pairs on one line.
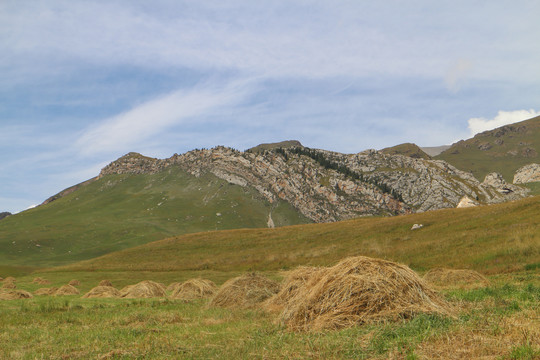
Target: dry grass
[[293, 282], [359, 290], [462, 278], [194, 289], [246, 291], [11, 294], [74, 282], [46, 291], [102, 292], [67, 290], [144, 289], [105, 283]]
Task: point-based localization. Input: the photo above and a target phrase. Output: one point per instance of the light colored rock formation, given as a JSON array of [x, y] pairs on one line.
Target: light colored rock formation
[[510, 191], [528, 173], [466, 202]]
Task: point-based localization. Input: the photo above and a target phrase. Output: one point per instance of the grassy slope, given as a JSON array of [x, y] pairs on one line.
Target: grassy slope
[[466, 155], [122, 211], [491, 239], [407, 149]]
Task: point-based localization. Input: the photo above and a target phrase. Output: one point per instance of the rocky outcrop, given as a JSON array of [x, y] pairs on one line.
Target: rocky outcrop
[[328, 186], [528, 173], [497, 181], [466, 202]]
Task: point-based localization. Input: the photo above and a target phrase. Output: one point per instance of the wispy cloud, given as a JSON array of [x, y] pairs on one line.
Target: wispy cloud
[[127, 130], [456, 75], [477, 125]]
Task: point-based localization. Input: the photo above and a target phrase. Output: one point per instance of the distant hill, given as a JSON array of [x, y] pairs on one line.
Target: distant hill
[[272, 146], [503, 150], [4, 214], [407, 149]]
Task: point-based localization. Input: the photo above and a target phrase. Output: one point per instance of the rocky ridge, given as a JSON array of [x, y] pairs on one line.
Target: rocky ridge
[[329, 186], [528, 173]]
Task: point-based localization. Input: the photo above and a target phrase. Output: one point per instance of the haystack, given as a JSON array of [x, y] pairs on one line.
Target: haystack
[[14, 294], [41, 281], [455, 278], [46, 291], [10, 279], [245, 291], [105, 283], [173, 286], [293, 282], [194, 289], [74, 282], [67, 290], [9, 285], [144, 289], [102, 292], [359, 290]]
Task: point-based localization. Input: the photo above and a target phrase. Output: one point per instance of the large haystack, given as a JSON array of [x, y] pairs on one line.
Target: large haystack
[[245, 291], [359, 290], [11, 294], [105, 283], [293, 282], [67, 290], [144, 289], [102, 292], [74, 282], [455, 278], [46, 291], [194, 289]]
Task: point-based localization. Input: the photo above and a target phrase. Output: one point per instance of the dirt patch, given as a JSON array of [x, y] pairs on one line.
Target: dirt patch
[[194, 289], [359, 290], [245, 291], [144, 289], [102, 292]]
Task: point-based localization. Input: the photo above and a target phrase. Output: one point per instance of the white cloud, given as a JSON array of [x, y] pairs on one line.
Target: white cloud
[[126, 130], [477, 125]]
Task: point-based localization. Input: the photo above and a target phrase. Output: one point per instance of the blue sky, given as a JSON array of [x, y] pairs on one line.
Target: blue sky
[[84, 82]]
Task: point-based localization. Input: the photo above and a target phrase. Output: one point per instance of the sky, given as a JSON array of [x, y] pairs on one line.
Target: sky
[[85, 82]]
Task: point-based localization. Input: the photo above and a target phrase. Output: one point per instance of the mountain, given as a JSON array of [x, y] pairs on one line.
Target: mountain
[[503, 150], [407, 149], [138, 199]]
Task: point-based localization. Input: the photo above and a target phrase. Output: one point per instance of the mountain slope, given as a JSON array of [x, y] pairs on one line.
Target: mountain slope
[[503, 150], [407, 149], [492, 239]]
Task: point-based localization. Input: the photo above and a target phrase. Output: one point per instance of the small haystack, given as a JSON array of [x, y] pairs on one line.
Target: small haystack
[[67, 290], [9, 285], [46, 291], [1, 279], [105, 283], [359, 290], [74, 282], [10, 279], [290, 286], [14, 294], [245, 291], [455, 278], [194, 289], [102, 292], [144, 289], [41, 281]]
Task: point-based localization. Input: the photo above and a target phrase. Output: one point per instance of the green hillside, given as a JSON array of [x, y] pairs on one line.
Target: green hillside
[[503, 150], [407, 149], [121, 211], [491, 239]]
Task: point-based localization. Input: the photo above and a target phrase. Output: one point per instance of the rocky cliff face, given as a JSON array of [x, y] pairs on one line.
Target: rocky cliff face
[[528, 173], [328, 186]]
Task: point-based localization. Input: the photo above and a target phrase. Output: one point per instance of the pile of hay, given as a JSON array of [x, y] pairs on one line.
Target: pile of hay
[[105, 283], [144, 289], [41, 281], [66, 290], [293, 282], [102, 292], [11, 294], [245, 291], [359, 290], [455, 277], [74, 282], [194, 289], [46, 291], [173, 286], [9, 284]]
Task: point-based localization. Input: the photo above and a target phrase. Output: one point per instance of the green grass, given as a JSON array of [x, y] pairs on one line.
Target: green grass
[[499, 322], [121, 211]]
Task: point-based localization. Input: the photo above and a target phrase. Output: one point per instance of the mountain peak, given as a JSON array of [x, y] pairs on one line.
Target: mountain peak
[[272, 146]]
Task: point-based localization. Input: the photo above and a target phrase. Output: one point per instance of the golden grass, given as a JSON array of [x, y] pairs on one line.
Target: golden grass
[[246, 291], [462, 278], [194, 289], [359, 290]]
